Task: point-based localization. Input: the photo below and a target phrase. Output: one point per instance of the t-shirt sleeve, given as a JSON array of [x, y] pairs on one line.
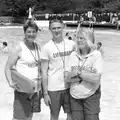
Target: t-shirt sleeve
[[74, 45], [44, 53], [98, 64], [38, 49]]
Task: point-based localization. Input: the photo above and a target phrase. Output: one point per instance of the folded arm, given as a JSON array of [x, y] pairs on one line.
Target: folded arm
[[90, 76], [71, 77]]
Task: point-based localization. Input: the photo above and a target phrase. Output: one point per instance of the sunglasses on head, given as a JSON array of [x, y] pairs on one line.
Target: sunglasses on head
[[55, 19]]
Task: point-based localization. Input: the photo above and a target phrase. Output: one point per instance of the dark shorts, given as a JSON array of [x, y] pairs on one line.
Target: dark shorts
[[90, 105], [58, 99], [23, 105]]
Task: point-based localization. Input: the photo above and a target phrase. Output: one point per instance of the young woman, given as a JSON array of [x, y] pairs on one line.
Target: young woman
[[84, 74], [24, 63]]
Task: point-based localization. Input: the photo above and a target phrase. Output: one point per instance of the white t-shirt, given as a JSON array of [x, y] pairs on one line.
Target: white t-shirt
[[56, 54], [92, 63]]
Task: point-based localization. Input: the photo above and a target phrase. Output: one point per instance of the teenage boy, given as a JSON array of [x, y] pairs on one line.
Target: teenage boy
[[55, 55]]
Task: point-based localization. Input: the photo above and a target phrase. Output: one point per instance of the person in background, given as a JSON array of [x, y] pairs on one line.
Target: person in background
[[100, 48], [67, 34], [24, 59], [55, 55], [69, 38], [117, 24], [81, 19], [5, 47], [84, 75]]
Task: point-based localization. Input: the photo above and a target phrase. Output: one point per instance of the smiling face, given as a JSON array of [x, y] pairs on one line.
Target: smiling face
[[81, 41], [30, 34], [56, 29]]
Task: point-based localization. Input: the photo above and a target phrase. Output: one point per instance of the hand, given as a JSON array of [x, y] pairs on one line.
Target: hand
[[71, 76], [67, 76], [90, 35], [47, 100], [14, 85]]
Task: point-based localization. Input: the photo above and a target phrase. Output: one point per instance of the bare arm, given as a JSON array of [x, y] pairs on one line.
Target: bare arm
[[84, 75], [70, 77], [45, 82], [90, 76], [12, 59], [44, 66]]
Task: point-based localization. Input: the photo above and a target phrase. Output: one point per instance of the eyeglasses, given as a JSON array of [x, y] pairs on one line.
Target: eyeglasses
[[55, 19]]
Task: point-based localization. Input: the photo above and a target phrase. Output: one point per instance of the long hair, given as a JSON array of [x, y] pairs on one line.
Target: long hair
[[88, 34]]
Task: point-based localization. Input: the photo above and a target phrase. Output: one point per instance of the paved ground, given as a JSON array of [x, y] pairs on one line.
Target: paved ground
[[110, 101]]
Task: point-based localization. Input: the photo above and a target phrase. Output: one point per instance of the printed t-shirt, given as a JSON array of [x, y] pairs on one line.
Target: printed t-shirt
[[57, 54], [92, 63]]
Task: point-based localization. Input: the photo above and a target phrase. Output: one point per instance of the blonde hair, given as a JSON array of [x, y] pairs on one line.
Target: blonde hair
[[88, 34]]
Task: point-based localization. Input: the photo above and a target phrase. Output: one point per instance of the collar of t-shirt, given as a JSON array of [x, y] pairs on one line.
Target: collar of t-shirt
[[85, 57]]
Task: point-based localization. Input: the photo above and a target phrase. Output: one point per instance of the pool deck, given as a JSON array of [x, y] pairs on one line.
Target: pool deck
[[110, 83]]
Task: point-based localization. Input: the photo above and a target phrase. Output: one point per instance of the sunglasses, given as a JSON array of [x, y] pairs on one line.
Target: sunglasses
[[55, 19]]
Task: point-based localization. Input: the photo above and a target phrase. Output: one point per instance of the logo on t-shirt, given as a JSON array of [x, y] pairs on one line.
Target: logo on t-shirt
[[32, 65], [61, 54], [86, 68]]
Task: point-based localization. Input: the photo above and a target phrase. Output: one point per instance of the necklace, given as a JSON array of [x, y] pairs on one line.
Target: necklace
[[35, 52], [83, 62], [62, 58]]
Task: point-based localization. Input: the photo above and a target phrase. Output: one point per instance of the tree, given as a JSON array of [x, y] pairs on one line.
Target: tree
[[2, 7], [112, 6], [18, 7], [58, 6]]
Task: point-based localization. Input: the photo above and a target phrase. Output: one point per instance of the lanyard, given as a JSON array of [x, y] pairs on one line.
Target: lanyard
[[34, 56], [62, 58], [80, 67]]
